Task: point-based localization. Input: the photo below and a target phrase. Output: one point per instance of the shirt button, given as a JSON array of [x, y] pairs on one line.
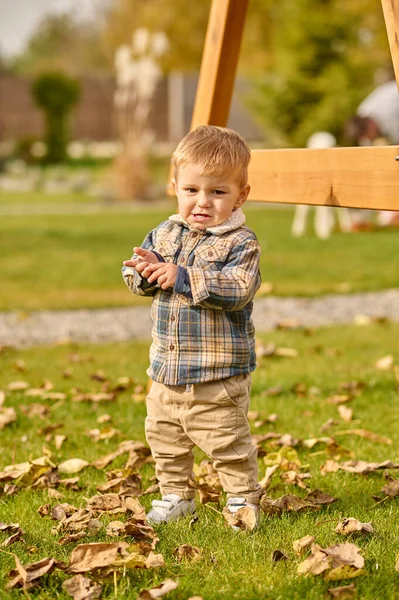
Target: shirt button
[[171, 347], [210, 253], [172, 318], [195, 234]]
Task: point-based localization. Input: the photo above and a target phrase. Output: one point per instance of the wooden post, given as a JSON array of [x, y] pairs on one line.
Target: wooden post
[[390, 9], [219, 62]]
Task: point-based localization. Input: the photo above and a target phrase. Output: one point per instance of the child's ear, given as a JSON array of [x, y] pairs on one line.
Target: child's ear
[[243, 195], [173, 184]]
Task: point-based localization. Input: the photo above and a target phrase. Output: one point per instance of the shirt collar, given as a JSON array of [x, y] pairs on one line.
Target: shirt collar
[[235, 220]]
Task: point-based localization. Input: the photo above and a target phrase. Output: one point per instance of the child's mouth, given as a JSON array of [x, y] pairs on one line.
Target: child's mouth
[[201, 217]]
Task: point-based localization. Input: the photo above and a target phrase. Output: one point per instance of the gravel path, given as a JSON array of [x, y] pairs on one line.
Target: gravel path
[[117, 324]]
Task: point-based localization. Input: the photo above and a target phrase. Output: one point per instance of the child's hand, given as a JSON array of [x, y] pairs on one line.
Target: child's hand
[[145, 258], [164, 274]]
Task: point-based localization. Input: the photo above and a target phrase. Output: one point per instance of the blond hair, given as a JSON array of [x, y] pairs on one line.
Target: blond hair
[[216, 150]]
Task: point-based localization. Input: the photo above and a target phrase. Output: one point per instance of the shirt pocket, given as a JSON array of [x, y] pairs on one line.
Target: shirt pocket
[[212, 257], [167, 250]]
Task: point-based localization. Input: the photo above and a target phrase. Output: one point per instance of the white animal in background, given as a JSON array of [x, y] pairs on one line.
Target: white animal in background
[[324, 219]]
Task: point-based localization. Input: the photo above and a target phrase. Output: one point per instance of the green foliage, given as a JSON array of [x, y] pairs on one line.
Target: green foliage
[[62, 42], [324, 56], [56, 93]]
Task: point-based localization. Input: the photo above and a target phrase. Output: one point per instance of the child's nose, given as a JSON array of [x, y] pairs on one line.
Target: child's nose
[[203, 199]]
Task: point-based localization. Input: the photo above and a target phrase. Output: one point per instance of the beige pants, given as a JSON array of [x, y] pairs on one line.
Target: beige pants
[[212, 416]]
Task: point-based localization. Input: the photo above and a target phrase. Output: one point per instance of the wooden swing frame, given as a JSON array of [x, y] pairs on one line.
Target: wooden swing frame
[[366, 177]]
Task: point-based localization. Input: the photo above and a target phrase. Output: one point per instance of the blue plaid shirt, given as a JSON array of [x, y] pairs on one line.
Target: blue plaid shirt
[[202, 328]]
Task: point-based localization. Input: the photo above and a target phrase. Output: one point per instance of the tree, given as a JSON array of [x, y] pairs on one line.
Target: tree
[[324, 57], [56, 94], [64, 43]]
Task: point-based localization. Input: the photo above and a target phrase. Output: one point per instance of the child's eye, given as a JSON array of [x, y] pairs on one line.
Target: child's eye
[[191, 190], [218, 192]]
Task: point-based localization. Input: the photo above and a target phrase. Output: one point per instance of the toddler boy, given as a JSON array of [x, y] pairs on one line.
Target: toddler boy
[[202, 268]]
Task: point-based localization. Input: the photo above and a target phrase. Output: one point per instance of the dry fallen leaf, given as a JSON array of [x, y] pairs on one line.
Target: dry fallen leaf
[[244, 518], [342, 561], [397, 564], [266, 481], [344, 592], [25, 575], [345, 413], [185, 551], [86, 557], [385, 363], [73, 465], [157, 592], [351, 525], [278, 555], [7, 416], [154, 561], [300, 546], [362, 467], [391, 489], [82, 588]]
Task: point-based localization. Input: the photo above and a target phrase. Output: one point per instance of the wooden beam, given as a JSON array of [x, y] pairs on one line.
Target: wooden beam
[[390, 9], [366, 177], [219, 62]]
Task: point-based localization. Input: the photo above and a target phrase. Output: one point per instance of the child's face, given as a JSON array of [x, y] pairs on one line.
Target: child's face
[[206, 201]]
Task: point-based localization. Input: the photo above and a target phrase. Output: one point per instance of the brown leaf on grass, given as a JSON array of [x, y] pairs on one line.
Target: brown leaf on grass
[[278, 555], [267, 479], [103, 434], [87, 557], [71, 538], [287, 503], [187, 552], [391, 489], [320, 498], [123, 448], [94, 397], [73, 465], [343, 560], [104, 419], [35, 410], [339, 399], [318, 562], [385, 363], [294, 478], [345, 413], [351, 525], [54, 494], [152, 489], [300, 546], [397, 564], [59, 440], [157, 592], [79, 521], [2, 397], [205, 472], [364, 433], [362, 467], [106, 503], [207, 493], [141, 531], [312, 442], [328, 424], [244, 518], [287, 458], [115, 528], [18, 386], [61, 511], [98, 376], [25, 575], [123, 485], [15, 529], [343, 592], [330, 466], [82, 588], [136, 508], [7, 416], [154, 561]]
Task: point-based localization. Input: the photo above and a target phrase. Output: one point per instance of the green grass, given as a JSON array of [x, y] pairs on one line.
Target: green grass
[[32, 198], [233, 566], [73, 261]]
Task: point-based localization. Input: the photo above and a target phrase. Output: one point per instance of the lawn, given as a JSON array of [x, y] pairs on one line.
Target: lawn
[[330, 362], [73, 261]]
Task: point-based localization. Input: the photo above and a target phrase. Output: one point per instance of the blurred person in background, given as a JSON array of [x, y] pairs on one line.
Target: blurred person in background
[[376, 123]]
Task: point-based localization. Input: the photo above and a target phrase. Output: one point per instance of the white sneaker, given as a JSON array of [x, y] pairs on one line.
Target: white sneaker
[[234, 504], [170, 508]]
